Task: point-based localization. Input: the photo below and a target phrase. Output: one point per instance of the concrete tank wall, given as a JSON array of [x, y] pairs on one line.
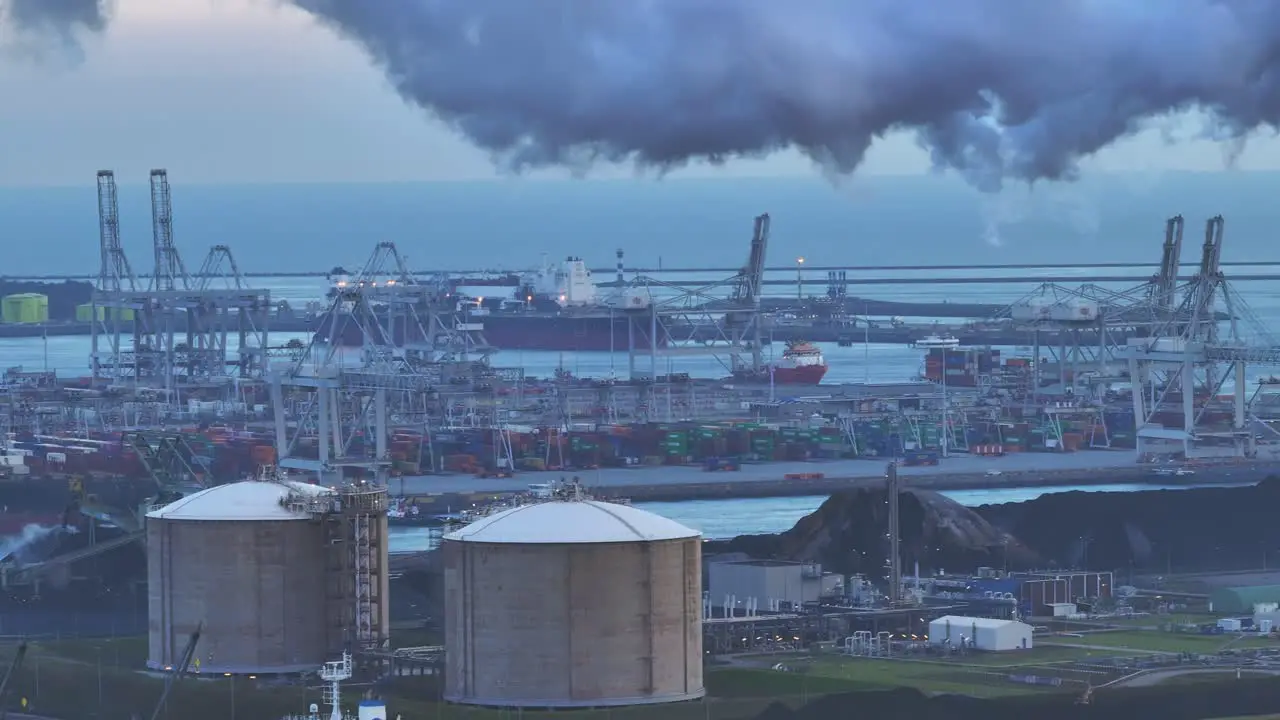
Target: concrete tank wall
[[258, 586], [565, 625]]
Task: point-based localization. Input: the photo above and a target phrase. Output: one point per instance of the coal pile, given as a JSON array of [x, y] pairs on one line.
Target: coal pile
[[1223, 528], [847, 534], [1201, 528]]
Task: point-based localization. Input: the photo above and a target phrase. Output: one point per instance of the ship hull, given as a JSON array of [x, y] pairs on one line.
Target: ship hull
[[559, 332], [584, 333], [801, 375]]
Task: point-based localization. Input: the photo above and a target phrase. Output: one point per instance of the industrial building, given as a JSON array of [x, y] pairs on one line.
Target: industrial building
[[980, 633], [573, 603], [280, 576], [775, 585], [1242, 600]]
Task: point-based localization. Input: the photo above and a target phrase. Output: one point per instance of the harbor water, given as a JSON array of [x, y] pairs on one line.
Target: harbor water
[[874, 363]]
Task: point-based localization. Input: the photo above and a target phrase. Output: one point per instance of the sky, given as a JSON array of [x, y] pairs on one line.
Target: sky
[[254, 91]]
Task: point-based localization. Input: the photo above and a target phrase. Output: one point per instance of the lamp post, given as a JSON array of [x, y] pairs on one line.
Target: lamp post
[[799, 278]]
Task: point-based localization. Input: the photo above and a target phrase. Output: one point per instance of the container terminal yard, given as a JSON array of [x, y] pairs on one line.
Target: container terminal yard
[[397, 396]]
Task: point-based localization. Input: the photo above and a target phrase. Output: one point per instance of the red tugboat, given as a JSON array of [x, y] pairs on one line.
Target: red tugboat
[[802, 364]]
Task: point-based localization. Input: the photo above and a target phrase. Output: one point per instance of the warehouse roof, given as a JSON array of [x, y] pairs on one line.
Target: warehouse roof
[[250, 500], [575, 521]]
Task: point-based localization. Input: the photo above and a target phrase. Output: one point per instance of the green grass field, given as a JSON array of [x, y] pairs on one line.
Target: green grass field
[[1158, 641], [74, 678], [977, 674], [65, 679]]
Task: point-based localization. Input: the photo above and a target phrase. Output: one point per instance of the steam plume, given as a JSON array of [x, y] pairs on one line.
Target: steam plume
[[58, 16], [995, 89], [58, 19]]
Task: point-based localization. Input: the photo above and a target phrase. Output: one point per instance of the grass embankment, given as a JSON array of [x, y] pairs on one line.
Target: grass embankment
[[102, 679], [90, 679]]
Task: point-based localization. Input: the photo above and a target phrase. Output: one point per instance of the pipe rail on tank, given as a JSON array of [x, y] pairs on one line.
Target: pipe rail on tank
[[349, 499]]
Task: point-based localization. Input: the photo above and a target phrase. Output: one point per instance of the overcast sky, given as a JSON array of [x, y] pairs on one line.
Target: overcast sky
[[253, 91]]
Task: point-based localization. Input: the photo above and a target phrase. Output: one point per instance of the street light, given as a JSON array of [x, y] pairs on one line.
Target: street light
[[799, 278]]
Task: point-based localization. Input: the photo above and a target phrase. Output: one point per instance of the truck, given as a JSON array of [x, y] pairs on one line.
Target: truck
[[716, 464], [918, 458]]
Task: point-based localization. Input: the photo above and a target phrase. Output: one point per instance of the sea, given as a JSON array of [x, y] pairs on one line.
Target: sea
[[513, 225]]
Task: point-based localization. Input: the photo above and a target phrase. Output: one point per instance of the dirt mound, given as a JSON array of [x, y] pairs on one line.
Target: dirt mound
[[847, 535]]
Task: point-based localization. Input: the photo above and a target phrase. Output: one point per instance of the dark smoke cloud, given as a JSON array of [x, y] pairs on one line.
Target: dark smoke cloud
[[58, 19], [995, 89], [58, 16]]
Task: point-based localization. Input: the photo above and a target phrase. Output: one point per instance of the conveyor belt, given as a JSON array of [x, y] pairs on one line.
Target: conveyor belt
[[29, 571]]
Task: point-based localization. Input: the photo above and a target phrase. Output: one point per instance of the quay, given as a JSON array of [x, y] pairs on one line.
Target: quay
[[676, 484]]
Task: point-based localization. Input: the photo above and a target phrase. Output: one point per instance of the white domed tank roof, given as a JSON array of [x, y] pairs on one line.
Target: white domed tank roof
[[570, 522], [249, 500]]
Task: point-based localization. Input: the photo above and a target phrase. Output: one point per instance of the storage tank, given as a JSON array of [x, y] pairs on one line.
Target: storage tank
[[252, 570], [25, 308], [88, 312], [573, 603]]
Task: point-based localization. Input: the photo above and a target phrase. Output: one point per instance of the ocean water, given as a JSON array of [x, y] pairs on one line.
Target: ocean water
[[511, 223]]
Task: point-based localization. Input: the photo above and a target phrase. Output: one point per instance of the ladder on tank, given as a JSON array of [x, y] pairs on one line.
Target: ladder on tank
[[363, 565]]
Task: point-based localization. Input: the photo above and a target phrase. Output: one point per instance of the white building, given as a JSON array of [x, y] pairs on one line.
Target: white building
[[980, 633], [767, 583]]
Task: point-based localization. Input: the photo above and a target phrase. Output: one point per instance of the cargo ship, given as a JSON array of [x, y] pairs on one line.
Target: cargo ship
[[556, 307], [802, 364]]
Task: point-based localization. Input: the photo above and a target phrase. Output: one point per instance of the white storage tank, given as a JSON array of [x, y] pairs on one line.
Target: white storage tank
[[576, 603], [252, 571]]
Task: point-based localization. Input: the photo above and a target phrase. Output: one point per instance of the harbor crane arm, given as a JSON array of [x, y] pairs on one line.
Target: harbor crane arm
[[188, 654], [751, 277], [9, 676]]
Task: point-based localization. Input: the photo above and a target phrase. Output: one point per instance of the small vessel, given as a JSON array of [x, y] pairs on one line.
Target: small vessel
[[802, 364], [945, 342]]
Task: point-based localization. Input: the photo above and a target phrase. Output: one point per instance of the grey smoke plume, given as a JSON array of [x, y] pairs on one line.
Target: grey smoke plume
[[61, 17], [38, 21], [995, 89]]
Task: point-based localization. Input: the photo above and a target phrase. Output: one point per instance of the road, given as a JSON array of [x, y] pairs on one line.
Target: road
[[1156, 677], [768, 479]]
